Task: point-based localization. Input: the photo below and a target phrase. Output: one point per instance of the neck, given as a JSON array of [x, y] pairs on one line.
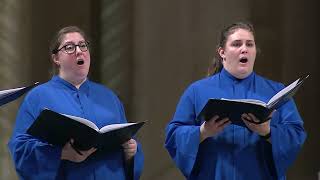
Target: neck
[[76, 82], [238, 75]]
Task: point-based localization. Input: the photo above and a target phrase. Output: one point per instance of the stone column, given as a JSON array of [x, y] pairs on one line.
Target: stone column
[[115, 48], [12, 74]]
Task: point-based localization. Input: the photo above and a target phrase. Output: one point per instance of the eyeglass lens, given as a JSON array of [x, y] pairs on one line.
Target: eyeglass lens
[[70, 48]]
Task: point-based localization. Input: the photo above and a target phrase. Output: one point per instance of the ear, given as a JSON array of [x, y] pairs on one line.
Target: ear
[[55, 59], [221, 52]]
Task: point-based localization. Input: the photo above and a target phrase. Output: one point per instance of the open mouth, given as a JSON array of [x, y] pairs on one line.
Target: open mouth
[[243, 60], [80, 61]]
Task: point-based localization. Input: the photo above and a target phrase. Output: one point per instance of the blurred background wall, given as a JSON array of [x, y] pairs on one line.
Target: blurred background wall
[[148, 51]]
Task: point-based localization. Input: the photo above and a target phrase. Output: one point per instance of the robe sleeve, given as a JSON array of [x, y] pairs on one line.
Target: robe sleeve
[[138, 160], [287, 137], [33, 159], [183, 134], [138, 163]]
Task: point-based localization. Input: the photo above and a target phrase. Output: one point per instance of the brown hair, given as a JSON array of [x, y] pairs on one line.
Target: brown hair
[[216, 64], [57, 39]]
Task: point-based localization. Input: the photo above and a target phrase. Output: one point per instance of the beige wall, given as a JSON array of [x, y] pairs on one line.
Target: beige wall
[[174, 42], [301, 56], [165, 45]]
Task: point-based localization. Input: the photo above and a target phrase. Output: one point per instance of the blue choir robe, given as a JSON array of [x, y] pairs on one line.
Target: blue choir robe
[[35, 159], [236, 152]]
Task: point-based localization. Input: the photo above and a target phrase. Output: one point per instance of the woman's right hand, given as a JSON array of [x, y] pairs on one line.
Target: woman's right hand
[[212, 127], [71, 154]]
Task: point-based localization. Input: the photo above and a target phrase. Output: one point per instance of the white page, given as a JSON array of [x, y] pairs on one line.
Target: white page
[[114, 126], [83, 121], [283, 91], [9, 91]]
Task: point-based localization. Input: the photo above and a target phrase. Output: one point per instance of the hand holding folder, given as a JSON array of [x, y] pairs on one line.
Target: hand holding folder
[[58, 129], [234, 108]]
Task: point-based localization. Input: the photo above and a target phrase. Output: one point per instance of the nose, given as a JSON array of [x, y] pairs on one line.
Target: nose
[[244, 49], [78, 49]]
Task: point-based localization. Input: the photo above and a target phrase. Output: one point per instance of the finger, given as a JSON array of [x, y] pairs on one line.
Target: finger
[[214, 118], [213, 121], [87, 153], [125, 144], [132, 145], [210, 123], [254, 118], [129, 146], [225, 124], [129, 150], [129, 154], [91, 151], [71, 143], [220, 128], [222, 122], [246, 118], [247, 123], [132, 141]]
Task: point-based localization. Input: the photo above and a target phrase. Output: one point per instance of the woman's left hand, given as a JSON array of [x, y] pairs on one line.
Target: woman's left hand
[[262, 129], [129, 149]]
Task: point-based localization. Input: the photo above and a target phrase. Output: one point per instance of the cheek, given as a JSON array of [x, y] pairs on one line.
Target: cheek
[[231, 54], [232, 59], [87, 56], [67, 63], [234, 54]]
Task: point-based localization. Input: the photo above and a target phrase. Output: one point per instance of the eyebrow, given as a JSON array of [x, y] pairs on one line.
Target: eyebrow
[[71, 42], [238, 40]]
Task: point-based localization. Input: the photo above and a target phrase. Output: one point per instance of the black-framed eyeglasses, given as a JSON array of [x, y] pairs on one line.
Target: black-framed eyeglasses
[[71, 48]]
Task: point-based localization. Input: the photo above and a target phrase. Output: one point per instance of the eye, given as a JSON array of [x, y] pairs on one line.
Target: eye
[[82, 45], [236, 44], [250, 44], [69, 47]]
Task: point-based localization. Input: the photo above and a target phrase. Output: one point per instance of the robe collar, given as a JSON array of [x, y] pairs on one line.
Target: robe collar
[[84, 87], [228, 78]]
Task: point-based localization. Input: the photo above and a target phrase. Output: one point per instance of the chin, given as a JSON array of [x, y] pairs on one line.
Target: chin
[[245, 70], [82, 75], [83, 72], [243, 74]]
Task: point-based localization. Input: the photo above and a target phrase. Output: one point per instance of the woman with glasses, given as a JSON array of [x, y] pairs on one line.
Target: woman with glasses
[[71, 92]]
